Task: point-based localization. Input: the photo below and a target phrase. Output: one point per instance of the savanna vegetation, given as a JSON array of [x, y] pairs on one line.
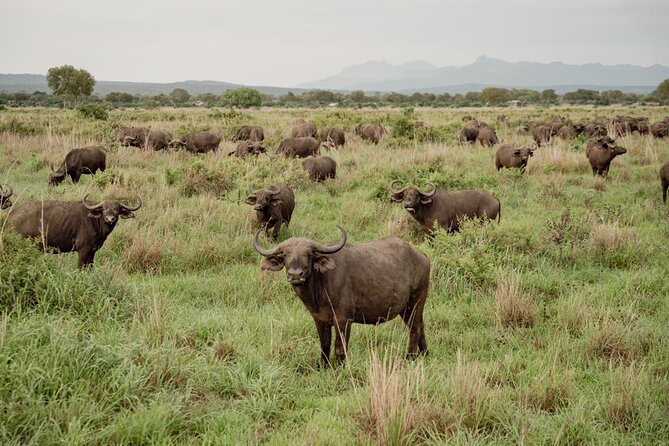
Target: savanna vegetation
[[551, 327]]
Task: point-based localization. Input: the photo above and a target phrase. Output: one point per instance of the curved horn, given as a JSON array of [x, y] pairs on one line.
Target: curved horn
[[274, 192], [7, 191], [139, 200], [393, 190], [88, 206], [322, 249], [428, 194], [262, 251]]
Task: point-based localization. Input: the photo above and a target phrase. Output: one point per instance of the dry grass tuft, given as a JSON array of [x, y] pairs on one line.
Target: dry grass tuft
[[609, 237], [550, 392], [143, 256], [622, 407], [614, 341], [514, 307]]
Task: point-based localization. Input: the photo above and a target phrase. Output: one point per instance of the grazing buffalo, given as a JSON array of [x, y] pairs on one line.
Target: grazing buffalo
[[660, 129], [447, 208], [625, 125], [66, 226], [600, 152], [79, 162], [299, 147], [594, 130], [132, 136], [332, 137], [157, 140], [370, 132], [487, 137], [5, 193], [320, 167], [570, 131], [542, 134], [253, 133], [247, 148], [343, 284], [468, 135], [664, 179], [512, 157], [199, 142], [304, 129], [273, 207]]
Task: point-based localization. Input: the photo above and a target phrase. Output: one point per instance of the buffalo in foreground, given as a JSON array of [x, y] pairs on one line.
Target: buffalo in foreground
[[342, 284], [5, 193], [273, 207], [600, 152], [664, 180], [320, 167], [299, 147], [199, 142], [66, 226], [85, 161], [447, 208], [510, 156]]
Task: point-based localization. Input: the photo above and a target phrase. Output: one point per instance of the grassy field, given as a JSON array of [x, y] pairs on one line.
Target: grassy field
[[551, 327]]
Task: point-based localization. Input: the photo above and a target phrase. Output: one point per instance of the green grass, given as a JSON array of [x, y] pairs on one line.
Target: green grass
[[551, 327]]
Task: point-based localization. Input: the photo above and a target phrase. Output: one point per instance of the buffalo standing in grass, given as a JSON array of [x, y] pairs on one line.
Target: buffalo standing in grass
[[570, 131], [468, 135], [370, 132], [252, 133], [447, 208], [343, 284], [304, 129], [199, 142], [299, 147], [600, 152], [247, 148], [487, 137], [320, 167], [132, 136], [664, 180], [512, 157], [66, 226], [86, 161], [5, 193], [157, 140], [273, 207], [332, 137]]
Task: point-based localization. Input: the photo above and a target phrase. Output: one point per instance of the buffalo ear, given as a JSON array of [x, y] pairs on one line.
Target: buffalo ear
[[251, 199], [398, 197], [124, 213], [324, 263], [425, 200], [272, 263]]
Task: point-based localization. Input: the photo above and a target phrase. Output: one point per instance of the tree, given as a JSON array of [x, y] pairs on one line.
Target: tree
[[495, 96], [67, 81], [179, 96], [549, 96], [116, 97], [662, 91], [357, 96], [242, 98], [582, 96]]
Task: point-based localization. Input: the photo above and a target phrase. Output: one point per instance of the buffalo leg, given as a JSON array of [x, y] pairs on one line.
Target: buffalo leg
[[343, 332], [325, 336], [277, 229], [665, 186], [413, 318], [86, 257], [75, 177]]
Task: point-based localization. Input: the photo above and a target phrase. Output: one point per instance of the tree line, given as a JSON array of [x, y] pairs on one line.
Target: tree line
[[75, 86]]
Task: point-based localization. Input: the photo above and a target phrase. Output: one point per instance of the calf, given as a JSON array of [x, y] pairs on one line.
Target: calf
[[320, 167], [273, 207]]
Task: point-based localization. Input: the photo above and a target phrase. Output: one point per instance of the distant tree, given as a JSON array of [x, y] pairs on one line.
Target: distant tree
[[242, 98], [662, 91], [396, 98], [208, 99], [179, 96], [549, 96], [67, 81], [319, 96], [357, 96], [495, 96], [582, 96], [116, 97]]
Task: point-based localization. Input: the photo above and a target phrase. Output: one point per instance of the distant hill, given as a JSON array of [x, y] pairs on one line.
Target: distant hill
[[37, 82], [484, 72]]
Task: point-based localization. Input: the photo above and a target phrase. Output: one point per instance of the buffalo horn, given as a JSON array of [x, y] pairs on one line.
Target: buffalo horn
[[262, 251], [274, 192], [7, 191], [317, 247], [128, 208], [431, 193], [88, 206], [393, 190]]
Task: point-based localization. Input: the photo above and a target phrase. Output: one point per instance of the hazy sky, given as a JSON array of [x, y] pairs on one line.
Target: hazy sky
[[283, 43]]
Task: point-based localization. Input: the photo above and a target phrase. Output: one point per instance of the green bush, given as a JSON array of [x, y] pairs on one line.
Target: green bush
[[93, 111]]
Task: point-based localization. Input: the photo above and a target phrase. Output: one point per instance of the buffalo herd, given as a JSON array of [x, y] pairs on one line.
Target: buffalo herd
[[342, 283]]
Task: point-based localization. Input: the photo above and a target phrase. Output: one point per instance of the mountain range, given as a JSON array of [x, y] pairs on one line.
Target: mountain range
[[488, 72]]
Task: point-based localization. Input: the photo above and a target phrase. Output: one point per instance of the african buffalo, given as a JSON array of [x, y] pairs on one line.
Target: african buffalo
[[199, 142], [79, 162], [569, 131], [469, 134], [625, 125], [320, 167], [510, 156], [157, 140], [299, 147], [67, 226], [253, 133], [5, 192], [542, 134], [447, 208], [487, 137], [343, 284], [660, 129], [332, 137], [304, 129], [247, 148], [370, 132], [664, 179], [273, 207], [600, 152], [132, 136], [594, 130]]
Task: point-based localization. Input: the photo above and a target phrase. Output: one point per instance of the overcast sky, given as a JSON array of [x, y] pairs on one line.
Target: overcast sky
[[283, 43]]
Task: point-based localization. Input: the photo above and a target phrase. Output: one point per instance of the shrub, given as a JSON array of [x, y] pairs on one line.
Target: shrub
[[93, 111]]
